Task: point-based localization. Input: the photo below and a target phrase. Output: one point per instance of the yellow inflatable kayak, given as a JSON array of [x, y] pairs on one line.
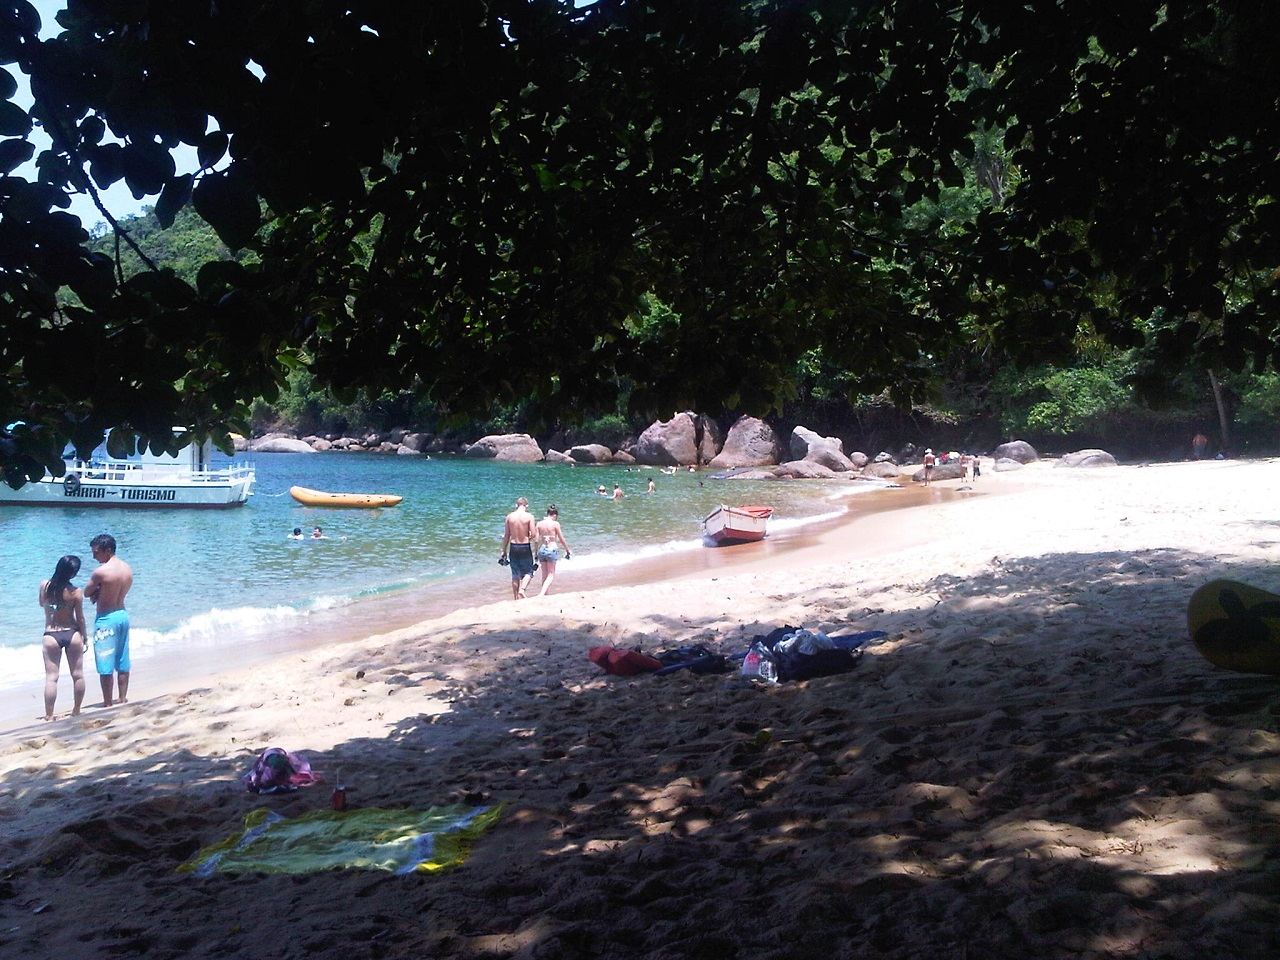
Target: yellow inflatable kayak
[[318, 498], [1236, 626]]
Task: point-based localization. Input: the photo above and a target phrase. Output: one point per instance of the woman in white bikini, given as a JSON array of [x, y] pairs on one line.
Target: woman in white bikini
[[550, 540], [63, 630]]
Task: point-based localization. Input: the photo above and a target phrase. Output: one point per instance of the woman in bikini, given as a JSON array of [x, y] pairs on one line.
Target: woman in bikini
[[550, 540], [63, 630]]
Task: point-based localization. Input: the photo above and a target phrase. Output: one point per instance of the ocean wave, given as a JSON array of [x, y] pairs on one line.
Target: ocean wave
[[23, 663]]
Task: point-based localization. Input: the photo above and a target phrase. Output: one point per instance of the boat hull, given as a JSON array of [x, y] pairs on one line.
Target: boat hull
[[366, 501], [51, 492], [747, 524]]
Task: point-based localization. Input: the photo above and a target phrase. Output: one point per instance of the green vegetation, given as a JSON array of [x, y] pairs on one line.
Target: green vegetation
[[538, 212]]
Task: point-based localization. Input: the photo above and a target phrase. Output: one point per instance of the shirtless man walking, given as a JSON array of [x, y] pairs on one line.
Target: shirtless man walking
[[107, 588], [519, 533]]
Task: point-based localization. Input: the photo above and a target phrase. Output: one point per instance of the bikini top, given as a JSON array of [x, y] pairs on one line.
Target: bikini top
[[61, 605]]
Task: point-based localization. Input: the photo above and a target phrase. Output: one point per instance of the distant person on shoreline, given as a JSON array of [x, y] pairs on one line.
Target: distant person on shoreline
[[975, 467], [928, 461], [1198, 444], [550, 540], [64, 629], [297, 534], [518, 533], [107, 588]]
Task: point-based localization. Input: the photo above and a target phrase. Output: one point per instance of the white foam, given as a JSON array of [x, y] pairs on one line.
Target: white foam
[[23, 663]]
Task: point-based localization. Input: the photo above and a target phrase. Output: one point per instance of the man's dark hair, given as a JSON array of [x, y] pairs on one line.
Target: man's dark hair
[[103, 541]]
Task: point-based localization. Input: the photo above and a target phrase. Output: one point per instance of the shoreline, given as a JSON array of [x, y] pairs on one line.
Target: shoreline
[[1034, 757], [172, 668]]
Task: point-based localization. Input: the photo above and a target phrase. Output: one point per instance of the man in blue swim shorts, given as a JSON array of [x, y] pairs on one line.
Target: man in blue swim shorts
[[519, 532], [107, 588]]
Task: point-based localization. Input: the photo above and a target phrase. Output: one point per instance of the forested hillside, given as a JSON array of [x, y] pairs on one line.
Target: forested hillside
[[977, 400]]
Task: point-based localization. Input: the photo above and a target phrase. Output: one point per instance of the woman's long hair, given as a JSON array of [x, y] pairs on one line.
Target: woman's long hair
[[60, 582]]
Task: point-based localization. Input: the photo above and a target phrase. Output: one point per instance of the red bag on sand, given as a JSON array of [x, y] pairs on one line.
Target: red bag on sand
[[622, 663]]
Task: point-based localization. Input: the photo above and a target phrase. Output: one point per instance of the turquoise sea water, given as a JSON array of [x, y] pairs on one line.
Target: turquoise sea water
[[207, 579]]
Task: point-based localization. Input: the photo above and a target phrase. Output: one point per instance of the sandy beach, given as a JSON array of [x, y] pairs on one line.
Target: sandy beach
[[1034, 762]]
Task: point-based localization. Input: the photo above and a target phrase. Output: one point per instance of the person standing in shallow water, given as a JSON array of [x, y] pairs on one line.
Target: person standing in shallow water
[[64, 629], [107, 588], [550, 540]]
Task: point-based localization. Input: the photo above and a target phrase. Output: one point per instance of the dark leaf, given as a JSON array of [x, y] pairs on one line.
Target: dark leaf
[[175, 196], [229, 205], [106, 164], [147, 168], [14, 121], [212, 149], [13, 154]]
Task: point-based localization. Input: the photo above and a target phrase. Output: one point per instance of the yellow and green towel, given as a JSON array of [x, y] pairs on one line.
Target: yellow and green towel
[[399, 841]]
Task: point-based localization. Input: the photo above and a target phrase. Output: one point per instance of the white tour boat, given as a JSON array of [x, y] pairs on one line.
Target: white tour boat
[[188, 479]]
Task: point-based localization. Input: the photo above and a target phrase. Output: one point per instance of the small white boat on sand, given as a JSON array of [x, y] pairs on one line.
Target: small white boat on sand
[[189, 479], [736, 524]]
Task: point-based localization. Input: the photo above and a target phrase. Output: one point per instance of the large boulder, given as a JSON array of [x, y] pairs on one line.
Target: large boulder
[[859, 459], [590, 453], [1004, 465], [828, 451], [1018, 450], [882, 470], [621, 456], [506, 447], [943, 471], [670, 443], [416, 442], [282, 445], [320, 445], [750, 443], [444, 445], [1087, 458], [404, 450], [803, 470], [710, 439], [555, 456]]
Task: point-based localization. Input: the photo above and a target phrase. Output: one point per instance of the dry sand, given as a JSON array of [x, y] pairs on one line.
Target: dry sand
[[1034, 763]]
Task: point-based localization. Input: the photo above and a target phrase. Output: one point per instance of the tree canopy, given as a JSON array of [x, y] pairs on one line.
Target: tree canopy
[[476, 198]]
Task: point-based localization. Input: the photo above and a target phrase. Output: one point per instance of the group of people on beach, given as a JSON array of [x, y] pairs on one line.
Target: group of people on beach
[[64, 625], [971, 462], [521, 533]]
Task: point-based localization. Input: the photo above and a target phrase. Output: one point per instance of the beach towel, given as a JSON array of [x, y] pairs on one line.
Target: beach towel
[[397, 841]]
